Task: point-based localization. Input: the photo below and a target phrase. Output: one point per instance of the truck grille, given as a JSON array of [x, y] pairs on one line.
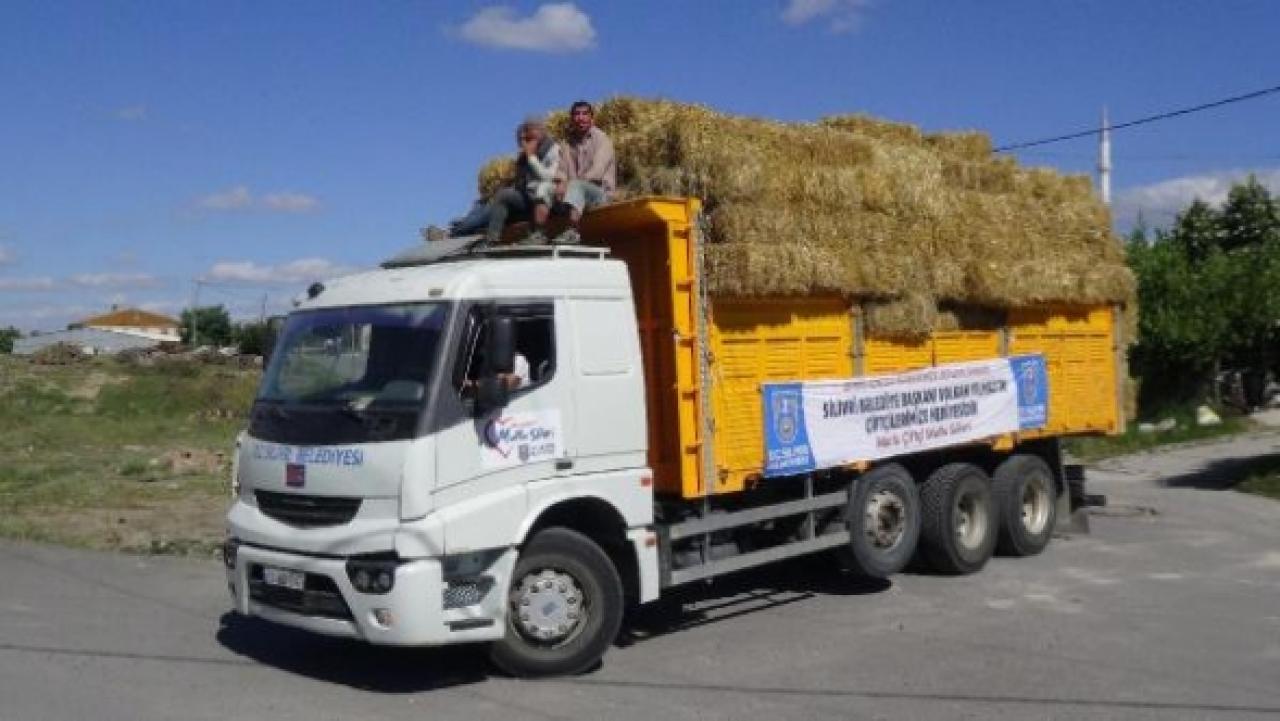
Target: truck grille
[[319, 597], [307, 511]]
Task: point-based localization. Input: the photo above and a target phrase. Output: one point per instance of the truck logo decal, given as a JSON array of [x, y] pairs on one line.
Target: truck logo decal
[[786, 409], [1032, 377], [513, 439], [295, 475]]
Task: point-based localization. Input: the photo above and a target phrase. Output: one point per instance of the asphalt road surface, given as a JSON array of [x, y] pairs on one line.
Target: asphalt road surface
[[1168, 609]]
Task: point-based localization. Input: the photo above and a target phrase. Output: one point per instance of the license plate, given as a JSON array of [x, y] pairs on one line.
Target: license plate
[[284, 578]]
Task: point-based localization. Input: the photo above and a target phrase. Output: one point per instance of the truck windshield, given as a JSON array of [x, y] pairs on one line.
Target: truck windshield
[[344, 375]]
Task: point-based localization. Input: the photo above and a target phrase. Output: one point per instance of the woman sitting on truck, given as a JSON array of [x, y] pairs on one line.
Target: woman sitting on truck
[[531, 194]]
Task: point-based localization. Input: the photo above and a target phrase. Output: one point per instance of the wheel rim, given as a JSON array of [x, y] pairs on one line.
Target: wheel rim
[[548, 606], [1035, 505], [971, 519], [885, 519]]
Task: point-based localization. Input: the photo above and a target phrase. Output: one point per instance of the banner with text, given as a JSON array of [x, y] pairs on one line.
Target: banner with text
[[823, 424]]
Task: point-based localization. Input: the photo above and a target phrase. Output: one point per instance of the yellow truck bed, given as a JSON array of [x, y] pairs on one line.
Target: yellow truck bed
[[705, 360]]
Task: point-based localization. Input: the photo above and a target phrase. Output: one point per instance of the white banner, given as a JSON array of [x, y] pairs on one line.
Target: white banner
[[823, 424]]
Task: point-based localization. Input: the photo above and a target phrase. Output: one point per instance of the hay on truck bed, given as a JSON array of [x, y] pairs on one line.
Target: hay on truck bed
[[866, 208]]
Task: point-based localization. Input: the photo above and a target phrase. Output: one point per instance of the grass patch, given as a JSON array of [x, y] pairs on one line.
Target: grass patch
[[92, 451], [1263, 480], [1132, 441]]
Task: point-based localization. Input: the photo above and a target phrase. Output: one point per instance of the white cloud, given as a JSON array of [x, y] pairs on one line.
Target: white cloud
[[230, 199], [113, 280], [28, 284], [290, 202], [303, 270], [840, 16], [1158, 203], [553, 28], [40, 316], [241, 198], [7, 256], [132, 113]]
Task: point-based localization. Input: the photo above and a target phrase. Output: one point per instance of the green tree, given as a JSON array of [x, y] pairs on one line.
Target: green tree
[[210, 325], [1180, 334], [1196, 230], [1249, 216], [7, 337], [1207, 296], [253, 337]]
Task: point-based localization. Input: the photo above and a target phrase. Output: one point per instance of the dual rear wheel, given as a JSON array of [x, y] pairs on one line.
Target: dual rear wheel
[[954, 520]]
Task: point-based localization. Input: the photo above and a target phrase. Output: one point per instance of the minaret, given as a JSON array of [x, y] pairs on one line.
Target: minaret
[[1104, 159]]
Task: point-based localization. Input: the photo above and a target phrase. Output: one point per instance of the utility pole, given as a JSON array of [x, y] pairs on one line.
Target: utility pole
[[1104, 159], [195, 315], [262, 316]]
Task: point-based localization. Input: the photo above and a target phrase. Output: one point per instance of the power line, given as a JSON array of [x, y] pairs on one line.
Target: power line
[[1143, 121], [1158, 157]]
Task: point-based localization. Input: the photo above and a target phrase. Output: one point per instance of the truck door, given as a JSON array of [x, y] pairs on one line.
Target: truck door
[[529, 439]]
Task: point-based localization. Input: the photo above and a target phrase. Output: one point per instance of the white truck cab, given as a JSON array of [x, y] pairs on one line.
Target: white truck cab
[[393, 465]]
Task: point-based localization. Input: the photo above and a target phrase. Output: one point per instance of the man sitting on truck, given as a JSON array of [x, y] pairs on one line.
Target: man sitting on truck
[[531, 193], [588, 175]]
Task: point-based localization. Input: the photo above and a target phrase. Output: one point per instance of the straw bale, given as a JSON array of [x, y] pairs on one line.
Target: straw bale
[[965, 145], [875, 128], [868, 209], [952, 316], [910, 317], [496, 173]]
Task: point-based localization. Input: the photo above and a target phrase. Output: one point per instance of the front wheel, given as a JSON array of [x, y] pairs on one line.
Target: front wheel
[[564, 607]]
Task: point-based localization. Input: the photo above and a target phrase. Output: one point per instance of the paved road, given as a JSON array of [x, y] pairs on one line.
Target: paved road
[[1169, 609]]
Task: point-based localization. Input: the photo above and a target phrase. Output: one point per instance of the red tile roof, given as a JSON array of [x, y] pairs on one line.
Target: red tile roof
[[129, 317]]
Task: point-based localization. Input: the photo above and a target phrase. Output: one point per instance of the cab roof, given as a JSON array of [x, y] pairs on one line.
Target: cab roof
[[502, 273]]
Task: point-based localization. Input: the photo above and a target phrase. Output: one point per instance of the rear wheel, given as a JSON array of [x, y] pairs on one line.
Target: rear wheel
[[564, 607], [959, 525], [1025, 500], [883, 518]]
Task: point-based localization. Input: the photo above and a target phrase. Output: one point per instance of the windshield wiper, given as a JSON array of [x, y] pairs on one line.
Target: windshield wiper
[[275, 410]]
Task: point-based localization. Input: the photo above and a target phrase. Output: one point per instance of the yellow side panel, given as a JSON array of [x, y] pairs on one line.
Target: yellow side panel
[[895, 355], [1079, 348], [958, 346], [756, 341], [651, 235]]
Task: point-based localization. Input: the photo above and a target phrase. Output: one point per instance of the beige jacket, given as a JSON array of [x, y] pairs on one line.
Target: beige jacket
[[590, 158]]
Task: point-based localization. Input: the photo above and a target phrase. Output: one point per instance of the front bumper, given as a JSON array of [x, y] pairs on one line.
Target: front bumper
[[413, 613]]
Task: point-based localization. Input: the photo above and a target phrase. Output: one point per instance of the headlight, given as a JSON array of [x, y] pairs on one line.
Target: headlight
[[230, 550], [373, 574]]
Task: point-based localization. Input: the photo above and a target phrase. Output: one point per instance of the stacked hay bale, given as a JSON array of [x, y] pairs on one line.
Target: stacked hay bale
[[867, 208]]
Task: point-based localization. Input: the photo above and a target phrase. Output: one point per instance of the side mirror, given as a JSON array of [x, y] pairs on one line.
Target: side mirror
[[501, 351], [491, 394]]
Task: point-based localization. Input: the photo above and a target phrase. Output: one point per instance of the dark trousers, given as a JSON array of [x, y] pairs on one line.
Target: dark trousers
[[508, 205], [475, 221]]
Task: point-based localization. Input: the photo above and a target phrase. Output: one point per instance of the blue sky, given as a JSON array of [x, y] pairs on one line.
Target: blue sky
[[261, 145]]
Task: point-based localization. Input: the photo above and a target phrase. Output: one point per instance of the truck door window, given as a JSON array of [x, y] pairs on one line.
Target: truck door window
[[535, 348]]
